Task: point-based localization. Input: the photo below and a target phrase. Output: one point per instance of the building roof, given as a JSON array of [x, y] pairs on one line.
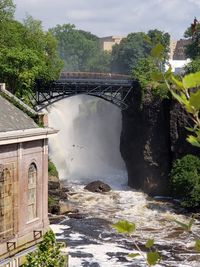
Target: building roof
[[12, 118]]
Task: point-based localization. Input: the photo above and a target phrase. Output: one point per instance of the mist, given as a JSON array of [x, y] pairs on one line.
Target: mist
[[87, 145]]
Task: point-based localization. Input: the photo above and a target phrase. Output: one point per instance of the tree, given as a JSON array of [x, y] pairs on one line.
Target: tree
[[47, 253], [137, 46], [7, 9], [193, 33], [80, 50], [27, 53], [126, 54]]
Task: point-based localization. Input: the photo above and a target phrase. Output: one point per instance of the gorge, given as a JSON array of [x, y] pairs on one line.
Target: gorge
[[149, 135]]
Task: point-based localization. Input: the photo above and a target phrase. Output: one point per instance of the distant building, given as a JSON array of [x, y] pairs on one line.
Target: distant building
[[106, 43], [23, 183], [177, 49], [177, 57]]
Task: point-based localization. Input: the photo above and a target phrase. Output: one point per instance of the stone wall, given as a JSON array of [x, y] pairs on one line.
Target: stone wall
[[153, 135]]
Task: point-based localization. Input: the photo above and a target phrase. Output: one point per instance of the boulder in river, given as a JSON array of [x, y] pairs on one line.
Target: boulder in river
[[98, 186]]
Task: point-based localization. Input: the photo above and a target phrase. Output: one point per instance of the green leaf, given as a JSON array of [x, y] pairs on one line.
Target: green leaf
[[124, 226], [197, 245], [193, 140], [191, 222], [185, 226], [190, 129], [168, 73], [156, 76], [133, 255], [178, 83], [195, 100], [191, 80], [181, 98], [149, 243], [153, 258], [157, 51]]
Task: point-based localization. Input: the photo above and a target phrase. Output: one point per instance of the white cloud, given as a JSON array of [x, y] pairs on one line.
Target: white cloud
[[111, 17]]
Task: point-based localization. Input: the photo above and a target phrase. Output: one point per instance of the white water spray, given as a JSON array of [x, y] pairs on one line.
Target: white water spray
[[87, 145]]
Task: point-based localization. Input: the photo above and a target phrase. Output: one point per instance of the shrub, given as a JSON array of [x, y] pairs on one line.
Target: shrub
[[185, 180], [52, 171], [47, 253]]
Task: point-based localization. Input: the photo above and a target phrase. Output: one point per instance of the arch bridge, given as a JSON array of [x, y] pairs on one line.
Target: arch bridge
[[114, 88]]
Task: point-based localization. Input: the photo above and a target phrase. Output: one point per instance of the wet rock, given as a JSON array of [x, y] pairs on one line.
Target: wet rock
[[54, 208], [66, 207], [56, 219], [52, 185], [97, 186], [76, 215]]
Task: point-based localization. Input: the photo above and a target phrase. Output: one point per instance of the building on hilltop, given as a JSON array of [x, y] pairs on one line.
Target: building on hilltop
[[106, 43], [177, 57], [23, 183]]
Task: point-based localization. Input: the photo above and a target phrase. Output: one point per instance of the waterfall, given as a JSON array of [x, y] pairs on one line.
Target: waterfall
[[87, 145]]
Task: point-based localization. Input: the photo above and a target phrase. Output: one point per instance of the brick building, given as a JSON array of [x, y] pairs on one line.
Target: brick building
[[23, 183]]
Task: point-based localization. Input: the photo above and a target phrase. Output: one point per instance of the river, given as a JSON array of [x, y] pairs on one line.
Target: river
[[87, 149]]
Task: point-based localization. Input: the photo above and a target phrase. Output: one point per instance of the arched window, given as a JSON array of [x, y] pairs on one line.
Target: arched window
[[32, 191], [6, 203]]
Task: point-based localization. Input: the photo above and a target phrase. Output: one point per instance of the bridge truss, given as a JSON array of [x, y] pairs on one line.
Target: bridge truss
[[115, 91]]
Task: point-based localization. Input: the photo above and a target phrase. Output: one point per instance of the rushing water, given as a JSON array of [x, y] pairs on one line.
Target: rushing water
[[86, 149]]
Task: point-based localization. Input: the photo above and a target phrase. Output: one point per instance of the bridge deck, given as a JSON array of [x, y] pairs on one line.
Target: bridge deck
[[114, 89]]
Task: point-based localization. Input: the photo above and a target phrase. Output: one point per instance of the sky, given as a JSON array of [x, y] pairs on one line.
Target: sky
[[113, 17]]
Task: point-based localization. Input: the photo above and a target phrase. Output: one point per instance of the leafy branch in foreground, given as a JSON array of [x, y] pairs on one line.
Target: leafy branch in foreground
[[152, 257], [186, 90]]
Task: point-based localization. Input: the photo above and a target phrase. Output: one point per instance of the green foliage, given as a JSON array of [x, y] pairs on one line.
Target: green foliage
[[153, 257], [124, 227], [47, 253], [193, 49], [185, 180], [186, 92], [7, 9], [133, 255], [135, 47], [52, 171], [80, 50], [197, 245], [146, 73], [149, 243], [193, 66], [51, 201], [27, 53], [186, 226]]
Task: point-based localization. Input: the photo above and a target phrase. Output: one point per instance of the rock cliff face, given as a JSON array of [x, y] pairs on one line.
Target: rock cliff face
[[152, 136]]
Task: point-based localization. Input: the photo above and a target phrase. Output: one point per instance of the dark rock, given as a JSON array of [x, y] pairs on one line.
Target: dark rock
[[76, 215], [56, 219], [58, 194], [54, 209], [97, 186], [65, 189], [53, 185], [145, 143], [153, 135]]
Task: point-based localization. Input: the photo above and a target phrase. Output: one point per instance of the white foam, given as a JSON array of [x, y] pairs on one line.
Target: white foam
[[87, 145], [58, 229]]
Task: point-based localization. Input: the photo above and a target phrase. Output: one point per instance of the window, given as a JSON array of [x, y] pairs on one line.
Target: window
[[32, 192], [6, 202]]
